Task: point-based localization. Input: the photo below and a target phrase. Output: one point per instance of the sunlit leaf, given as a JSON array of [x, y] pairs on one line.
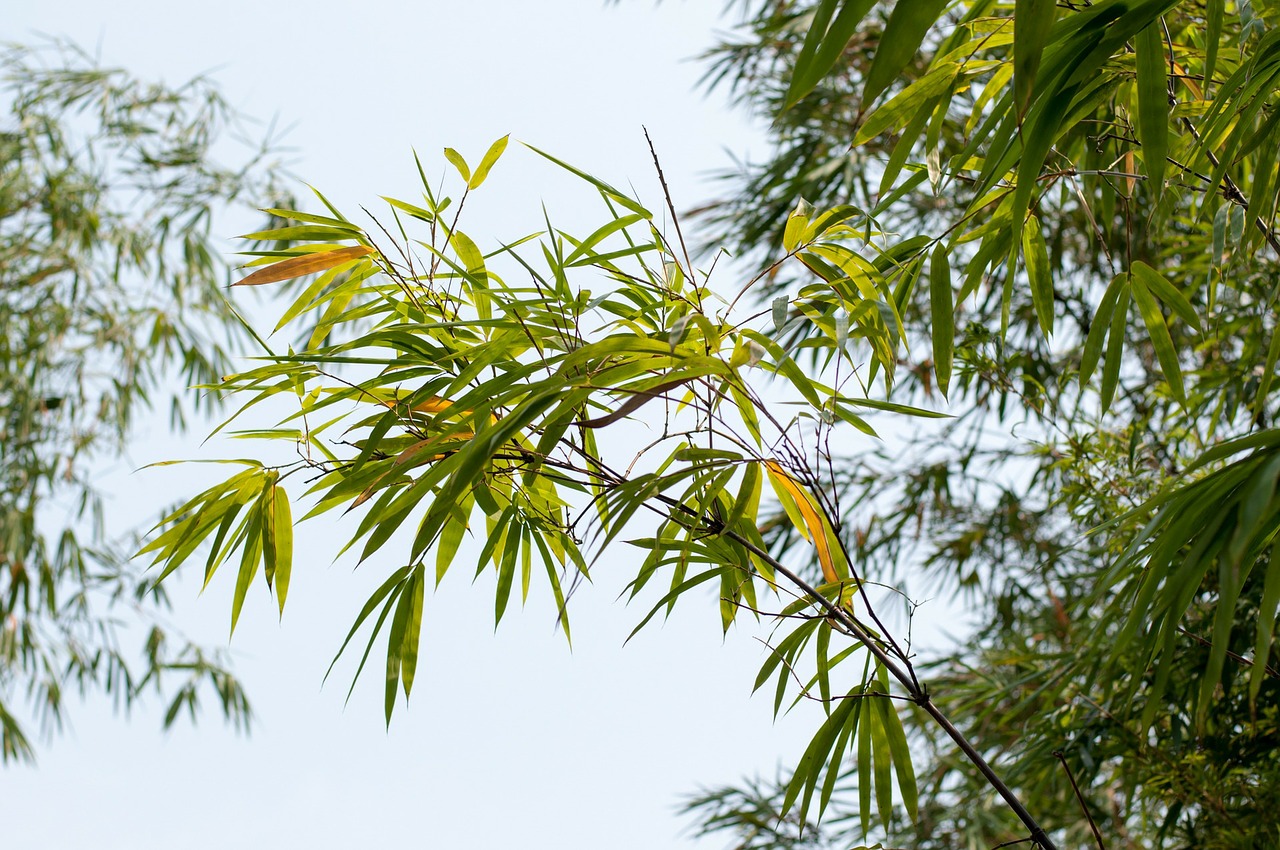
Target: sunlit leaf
[[304, 265]]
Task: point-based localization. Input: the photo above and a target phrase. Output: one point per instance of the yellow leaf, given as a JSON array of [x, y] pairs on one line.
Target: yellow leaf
[[817, 528], [305, 264]]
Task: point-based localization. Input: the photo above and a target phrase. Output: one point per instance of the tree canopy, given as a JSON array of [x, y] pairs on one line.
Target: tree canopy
[[1031, 244], [110, 290]]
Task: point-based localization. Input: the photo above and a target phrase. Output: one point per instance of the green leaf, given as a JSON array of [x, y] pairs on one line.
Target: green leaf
[[1036, 255], [903, 32], [824, 44], [1265, 627], [797, 223], [393, 581], [305, 233], [1214, 13], [295, 215], [894, 407], [415, 593], [1032, 23], [282, 533], [249, 559], [608, 191], [866, 783], [942, 317], [1166, 292], [1153, 103], [458, 162], [882, 758], [1268, 372], [487, 162], [395, 645], [901, 753], [1115, 346], [908, 103], [1098, 327], [1149, 308]]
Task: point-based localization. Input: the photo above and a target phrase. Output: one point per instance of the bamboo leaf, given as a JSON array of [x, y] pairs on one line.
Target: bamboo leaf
[[282, 532], [305, 233], [459, 163], [304, 265], [1036, 255], [249, 559], [415, 593], [1032, 23], [812, 525], [824, 44], [903, 32], [487, 162], [1266, 623], [609, 192], [1115, 346], [392, 582], [1153, 104], [901, 753], [1214, 13], [882, 759], [908, 103], [1149, 308], [1166, 292], [942, 318], [1098, 327]]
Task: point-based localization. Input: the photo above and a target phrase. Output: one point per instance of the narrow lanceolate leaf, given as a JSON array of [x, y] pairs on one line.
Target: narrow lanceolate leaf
[[901, 752], [458, 162], [1268, 372], [812, 525], [304, 233], [1153, 103], [1214, 13], [415, 593], [610, 192], [395, 646], [1265, 632], [470, 255], [392, 583], [1035, 254], [304, 265], [1032, 22], [1115, 347], [824, 44], [487, 163], [942, 316], [779, 309], [1158, 330], [282, 522], [1098, 328], [249, 559], [907, 103], [903, 32], [1161, 288]]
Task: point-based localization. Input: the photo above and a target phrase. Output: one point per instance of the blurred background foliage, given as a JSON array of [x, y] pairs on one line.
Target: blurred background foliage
[[111, 300]]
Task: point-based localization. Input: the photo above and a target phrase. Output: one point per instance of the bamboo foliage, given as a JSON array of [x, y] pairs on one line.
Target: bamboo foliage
[[1026, 189], [1085, 196], [458, 402]]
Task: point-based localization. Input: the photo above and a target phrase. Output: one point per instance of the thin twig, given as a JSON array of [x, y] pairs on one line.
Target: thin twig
[[1097, 836]]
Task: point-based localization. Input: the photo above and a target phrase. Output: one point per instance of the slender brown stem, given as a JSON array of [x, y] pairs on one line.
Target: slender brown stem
[[1097, 836]]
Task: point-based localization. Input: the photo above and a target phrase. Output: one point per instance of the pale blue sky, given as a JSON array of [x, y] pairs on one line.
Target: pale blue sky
[[511, 740]]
